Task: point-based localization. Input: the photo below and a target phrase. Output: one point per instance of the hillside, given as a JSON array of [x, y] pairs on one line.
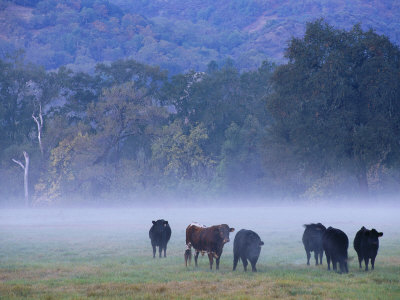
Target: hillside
[[177, 35]]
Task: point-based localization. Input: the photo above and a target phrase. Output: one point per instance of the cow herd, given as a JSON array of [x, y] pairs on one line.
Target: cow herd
[[247, 244]]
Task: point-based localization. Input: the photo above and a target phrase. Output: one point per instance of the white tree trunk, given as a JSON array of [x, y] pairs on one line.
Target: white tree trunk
[[39, 123], [26, 176]]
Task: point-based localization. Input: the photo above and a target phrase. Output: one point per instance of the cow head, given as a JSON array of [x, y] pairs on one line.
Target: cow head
[[373, 236], [159, 225], [223, 232]]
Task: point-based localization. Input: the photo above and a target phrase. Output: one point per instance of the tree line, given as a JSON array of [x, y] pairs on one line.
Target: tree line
[[324, 124]]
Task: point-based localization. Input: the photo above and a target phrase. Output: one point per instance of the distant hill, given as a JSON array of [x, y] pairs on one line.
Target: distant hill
[[177, 35]]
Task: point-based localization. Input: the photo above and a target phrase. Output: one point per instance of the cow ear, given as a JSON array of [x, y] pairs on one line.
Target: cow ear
[[261, 243], [154, 222], [380, 234], [231, 229], [165, 223]]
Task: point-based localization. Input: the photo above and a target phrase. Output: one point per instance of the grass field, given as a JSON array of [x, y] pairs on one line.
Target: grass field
[[106, 254]]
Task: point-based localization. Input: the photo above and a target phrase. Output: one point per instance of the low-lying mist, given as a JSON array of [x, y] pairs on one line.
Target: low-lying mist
[[277, 224]]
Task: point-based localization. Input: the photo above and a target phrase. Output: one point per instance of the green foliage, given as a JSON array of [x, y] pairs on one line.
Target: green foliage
[[122, 71], [240, 159], [179, 152], [23, 87], [310, 128], [335, 101]]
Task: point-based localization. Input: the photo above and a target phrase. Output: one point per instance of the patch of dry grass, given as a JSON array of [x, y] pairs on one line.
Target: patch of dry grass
[[232, 286]]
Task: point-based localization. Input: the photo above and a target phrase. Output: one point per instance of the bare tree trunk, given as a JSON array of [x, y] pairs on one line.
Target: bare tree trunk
[[39, 123], [26, 178]]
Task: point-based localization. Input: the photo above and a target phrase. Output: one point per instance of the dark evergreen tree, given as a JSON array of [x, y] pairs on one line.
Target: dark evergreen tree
[[336, 103]]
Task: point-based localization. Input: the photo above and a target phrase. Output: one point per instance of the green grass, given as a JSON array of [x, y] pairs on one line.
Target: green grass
[[89, 261]]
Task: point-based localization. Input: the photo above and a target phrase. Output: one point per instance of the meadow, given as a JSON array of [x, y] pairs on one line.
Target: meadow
[[106, 254]]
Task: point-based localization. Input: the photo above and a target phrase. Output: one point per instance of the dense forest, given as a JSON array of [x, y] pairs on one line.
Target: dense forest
[[176, 35], [324, 124]]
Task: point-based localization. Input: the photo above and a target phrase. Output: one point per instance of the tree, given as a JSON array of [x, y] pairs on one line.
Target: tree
[[123, 71], [336, 102], [16, 104], [240, 167], [212, 99], [79, 90], [70, 169], [123, 112], [179, 152], [39, 122], [25, 167]]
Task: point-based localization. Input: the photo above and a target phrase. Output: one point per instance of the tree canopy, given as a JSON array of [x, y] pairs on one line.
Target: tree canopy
[[336, 102], [324, 124]]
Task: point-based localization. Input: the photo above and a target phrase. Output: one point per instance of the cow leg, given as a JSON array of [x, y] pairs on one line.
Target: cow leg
[[196, 256], [188, 256], [253, 265], [342, 266], [372, 262], [321, 253], [235, 261], [308, 257], [316, 257], [165, 251], [217, 262], [244, 261], [334, 264], [366, 261], [328, 260], [211, 259], [360, 260], [154, 251], [159, 250]]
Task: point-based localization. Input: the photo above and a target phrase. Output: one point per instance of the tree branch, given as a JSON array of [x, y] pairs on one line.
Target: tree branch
[[18, 163]]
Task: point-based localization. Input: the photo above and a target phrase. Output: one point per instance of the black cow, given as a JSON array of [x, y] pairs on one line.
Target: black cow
[[312, 241], [159, 234], [246, 246], [335, 243], [366, 244], [210, 240]]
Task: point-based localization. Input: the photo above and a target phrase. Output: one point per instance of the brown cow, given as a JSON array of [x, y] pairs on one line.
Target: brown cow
[[206, 239]]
